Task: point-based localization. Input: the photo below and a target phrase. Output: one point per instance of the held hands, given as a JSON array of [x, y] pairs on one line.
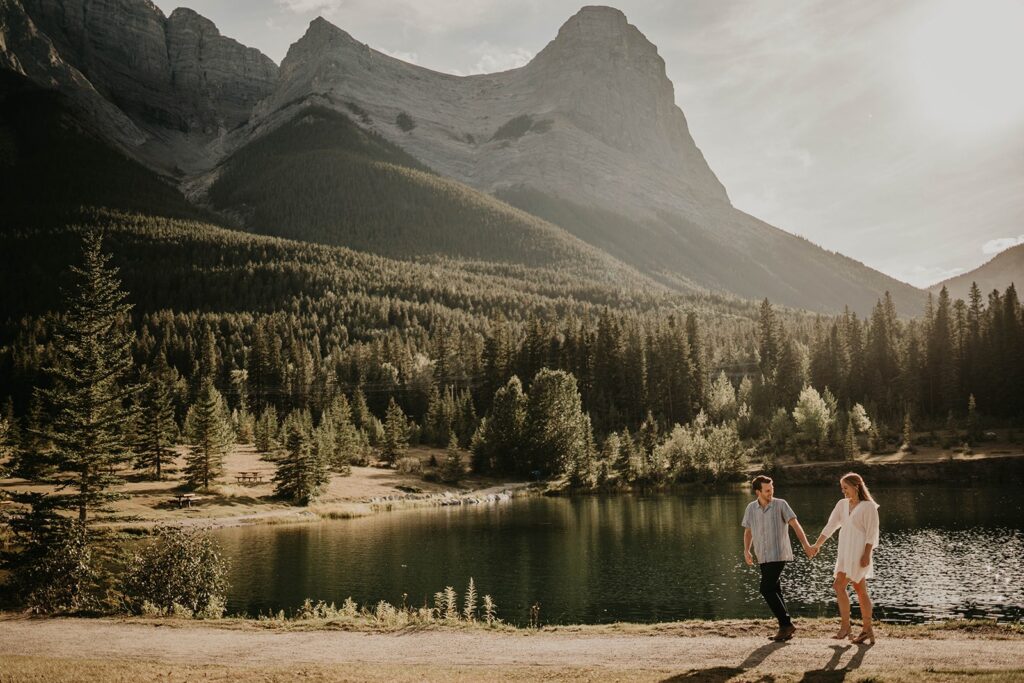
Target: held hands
[[811, 550]]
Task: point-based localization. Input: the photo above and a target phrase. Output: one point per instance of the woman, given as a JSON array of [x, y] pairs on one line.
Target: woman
[[856, 516]]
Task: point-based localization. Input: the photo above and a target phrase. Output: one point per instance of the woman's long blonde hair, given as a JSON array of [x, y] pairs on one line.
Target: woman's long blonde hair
[[854, 479]]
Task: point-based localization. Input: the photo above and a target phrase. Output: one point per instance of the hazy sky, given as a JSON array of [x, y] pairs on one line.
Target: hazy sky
[[890, 132]]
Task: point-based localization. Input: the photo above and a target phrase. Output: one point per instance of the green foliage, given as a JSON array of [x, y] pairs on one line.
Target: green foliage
[[703, 451], [301, 474], [181, 571], [452, 469], [396, 434], [813, 416], [557, 434], [87, 402], [210, 435], [265, 430], [907, 445], [501, 446], [157, 430], [49, 560], [405, 122]]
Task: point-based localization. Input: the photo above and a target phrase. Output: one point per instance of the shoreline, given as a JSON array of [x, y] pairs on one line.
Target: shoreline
[[370, 490]]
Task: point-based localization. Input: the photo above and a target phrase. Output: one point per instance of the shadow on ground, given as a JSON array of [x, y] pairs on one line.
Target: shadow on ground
[[830, 672]]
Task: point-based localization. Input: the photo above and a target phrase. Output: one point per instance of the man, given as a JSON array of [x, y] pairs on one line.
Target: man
[[766, 523]]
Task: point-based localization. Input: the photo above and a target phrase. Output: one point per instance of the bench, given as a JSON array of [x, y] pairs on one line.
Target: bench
[[250, 478], [186, 499]]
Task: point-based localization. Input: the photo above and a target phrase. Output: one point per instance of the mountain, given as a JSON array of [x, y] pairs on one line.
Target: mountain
[[1003, 269], [52, 162], [179, 82], [587, 138], [321, 178]]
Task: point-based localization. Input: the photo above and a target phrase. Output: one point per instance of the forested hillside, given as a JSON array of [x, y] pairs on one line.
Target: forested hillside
[[320, 178]]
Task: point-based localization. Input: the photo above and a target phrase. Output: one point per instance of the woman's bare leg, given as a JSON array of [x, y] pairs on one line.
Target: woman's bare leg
[[844, 602], [865, 603]]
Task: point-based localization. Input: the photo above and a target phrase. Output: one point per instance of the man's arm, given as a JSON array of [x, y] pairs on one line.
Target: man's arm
[[801, 536], [748, 537]]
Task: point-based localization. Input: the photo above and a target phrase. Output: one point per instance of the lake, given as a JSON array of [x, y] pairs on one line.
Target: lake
[[944, 552]]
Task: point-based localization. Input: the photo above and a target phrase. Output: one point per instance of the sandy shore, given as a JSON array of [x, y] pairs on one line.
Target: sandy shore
[[110, 649]]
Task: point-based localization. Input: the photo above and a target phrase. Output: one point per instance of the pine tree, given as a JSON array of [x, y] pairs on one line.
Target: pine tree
[[301, 475], [396, 433], [852, 450], [265, 430], [451, 469], [210, 437], [973, 423], [501, 446], [90, 392], [908, 435], [157, 430], [555, 425]]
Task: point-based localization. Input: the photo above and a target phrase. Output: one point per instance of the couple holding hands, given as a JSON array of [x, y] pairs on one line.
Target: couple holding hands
[[766, 523]]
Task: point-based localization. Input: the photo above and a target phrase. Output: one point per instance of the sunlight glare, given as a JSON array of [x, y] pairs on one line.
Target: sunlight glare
[[965, 61]]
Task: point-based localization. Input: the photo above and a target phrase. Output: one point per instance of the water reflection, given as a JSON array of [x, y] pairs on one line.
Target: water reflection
[[944, 551]]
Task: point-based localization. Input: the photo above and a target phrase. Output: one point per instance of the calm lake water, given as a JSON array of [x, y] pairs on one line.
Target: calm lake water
[[944, 552]]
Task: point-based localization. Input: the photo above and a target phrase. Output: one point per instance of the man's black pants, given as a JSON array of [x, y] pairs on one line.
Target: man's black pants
[[771, 589]]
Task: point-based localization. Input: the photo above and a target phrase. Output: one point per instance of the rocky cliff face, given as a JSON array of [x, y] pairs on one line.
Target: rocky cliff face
[[28, 51], [168, 74], [594, 107]]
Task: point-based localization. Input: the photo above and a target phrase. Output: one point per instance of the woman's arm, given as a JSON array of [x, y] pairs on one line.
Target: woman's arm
[[835, 520], [865, 558]]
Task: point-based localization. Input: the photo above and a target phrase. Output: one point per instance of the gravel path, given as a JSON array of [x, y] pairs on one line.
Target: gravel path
[[544, 654]]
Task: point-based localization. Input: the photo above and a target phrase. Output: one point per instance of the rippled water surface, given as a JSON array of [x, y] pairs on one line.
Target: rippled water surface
[[944, 552]]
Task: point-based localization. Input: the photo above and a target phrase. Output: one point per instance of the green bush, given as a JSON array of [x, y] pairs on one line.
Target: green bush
[[182, 572]]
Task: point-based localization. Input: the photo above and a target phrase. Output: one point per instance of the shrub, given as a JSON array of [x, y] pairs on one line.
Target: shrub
[[409, 465], [181, 572], [405, 122]]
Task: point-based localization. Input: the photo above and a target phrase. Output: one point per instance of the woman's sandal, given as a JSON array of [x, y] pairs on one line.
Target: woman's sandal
[[841, 635], [865, 636]]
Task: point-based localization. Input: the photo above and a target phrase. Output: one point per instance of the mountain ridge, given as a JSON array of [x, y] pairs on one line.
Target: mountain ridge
[[591, 121]]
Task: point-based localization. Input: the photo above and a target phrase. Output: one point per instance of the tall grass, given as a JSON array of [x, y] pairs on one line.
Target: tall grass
[[387, 617]]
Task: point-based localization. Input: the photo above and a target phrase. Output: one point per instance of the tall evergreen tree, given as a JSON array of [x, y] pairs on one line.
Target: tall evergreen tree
[[555, 424], [301, 475], [396, 433], [210, 436], [88, 400], [157, 429]]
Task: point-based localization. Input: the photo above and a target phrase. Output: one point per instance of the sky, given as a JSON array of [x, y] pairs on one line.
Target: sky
[[890, 132]]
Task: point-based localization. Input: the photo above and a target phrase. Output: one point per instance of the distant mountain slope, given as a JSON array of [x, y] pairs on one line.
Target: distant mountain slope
[[1003, 269], [52, 163], [320, 178], [743, 255]]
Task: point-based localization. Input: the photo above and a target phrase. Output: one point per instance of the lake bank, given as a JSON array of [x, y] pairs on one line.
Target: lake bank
[[371, 490], [228, 650]]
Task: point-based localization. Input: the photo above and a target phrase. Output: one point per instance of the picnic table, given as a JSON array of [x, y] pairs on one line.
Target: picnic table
[[249, 477], [186, 499]]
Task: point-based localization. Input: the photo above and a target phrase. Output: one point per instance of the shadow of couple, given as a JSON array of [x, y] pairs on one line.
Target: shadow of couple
[[830, 672]]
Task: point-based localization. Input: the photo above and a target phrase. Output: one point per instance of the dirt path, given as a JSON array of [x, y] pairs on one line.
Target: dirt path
[[448, 654]]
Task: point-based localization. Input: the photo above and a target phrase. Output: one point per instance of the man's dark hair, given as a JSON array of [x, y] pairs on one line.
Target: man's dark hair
[[755, 485]]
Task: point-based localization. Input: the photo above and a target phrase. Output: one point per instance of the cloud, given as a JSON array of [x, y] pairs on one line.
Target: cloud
[[995, 246], [409, 57], [303, 6], [492, 58], [926, 276]]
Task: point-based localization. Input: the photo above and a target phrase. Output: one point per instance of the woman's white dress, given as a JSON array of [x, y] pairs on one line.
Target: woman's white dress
[[856, 529]]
